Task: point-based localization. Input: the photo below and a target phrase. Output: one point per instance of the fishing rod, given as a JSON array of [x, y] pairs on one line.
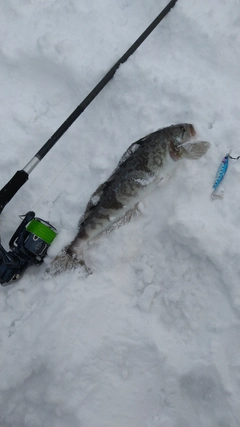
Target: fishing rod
[[30, 242], [19, 179]]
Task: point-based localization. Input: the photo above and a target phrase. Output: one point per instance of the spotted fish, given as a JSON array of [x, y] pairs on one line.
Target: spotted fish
[[145, 163]]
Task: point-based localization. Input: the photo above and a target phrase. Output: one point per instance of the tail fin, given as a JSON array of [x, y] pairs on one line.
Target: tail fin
[[64, 261]]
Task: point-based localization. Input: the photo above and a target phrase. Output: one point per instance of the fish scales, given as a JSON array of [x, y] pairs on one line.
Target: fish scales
[[128, 181]]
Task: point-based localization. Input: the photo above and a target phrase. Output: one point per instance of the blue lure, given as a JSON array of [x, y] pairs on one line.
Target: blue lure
[[221, 172]]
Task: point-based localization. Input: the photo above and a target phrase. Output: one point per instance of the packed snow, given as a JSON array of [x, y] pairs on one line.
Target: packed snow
[[152, 337]]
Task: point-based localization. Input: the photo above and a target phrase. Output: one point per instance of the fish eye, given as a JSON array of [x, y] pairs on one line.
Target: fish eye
[[183, 128]]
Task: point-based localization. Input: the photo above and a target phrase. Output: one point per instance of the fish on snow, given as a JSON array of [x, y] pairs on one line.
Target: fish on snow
[[145, 163]]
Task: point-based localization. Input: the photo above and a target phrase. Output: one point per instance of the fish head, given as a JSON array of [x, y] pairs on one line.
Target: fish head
[[183, 145]]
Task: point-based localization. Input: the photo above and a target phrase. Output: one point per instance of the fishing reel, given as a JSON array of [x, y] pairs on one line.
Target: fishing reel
[[28, 246]]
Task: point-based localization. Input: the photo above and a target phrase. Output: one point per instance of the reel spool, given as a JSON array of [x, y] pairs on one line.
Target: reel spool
[[28, 246]]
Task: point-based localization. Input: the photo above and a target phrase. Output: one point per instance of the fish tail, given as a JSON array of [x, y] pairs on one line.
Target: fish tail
[[70, 258]]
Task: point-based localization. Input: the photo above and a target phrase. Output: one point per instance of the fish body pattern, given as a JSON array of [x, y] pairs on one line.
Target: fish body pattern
[[145, 163]]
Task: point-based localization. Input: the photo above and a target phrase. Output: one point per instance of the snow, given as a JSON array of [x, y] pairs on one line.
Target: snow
[[151, 338]]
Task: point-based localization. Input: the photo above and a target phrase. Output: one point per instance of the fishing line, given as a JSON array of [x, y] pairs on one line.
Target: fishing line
[[64, 167]]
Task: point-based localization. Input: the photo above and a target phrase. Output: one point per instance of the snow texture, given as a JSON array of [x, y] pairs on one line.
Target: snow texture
[[152, 337]]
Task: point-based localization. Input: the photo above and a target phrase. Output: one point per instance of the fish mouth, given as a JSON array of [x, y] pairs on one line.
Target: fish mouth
[[192, 130]]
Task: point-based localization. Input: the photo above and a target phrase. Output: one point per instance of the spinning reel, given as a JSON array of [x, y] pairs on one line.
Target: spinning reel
[[28, 246]]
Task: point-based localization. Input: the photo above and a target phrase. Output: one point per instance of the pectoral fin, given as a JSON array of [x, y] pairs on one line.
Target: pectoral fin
[[194, 149]]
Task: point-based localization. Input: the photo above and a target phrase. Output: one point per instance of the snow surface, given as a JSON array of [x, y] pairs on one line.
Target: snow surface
[[152, 337]]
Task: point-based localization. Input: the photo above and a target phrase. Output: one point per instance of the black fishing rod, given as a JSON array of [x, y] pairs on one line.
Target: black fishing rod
[[20, 177], [30, 242]]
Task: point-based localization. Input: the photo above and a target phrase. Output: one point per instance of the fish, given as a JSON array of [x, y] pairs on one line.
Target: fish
[[142, 167]]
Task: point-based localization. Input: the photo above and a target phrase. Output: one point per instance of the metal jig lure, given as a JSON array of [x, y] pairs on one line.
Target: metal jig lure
[[220, 174]]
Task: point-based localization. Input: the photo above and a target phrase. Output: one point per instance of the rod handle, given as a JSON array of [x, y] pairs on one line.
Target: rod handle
[[12, 187]]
